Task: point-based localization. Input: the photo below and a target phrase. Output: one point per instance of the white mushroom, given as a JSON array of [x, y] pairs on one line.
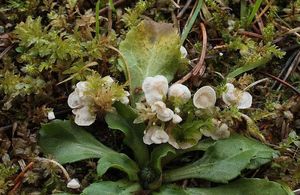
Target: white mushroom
[[180, 91], [148, 134], [74, 100], [77, 98], [81, 87], [176, 119], [73, 184], [108, 80], [183, 51], [159, 137], [155, 88], [125, 99], [163, 113], [80, 104], [233, 96], [229, 96], [220, 132], [205, 97], [51, 115], [156, 135], [245, 100], [84, 116]]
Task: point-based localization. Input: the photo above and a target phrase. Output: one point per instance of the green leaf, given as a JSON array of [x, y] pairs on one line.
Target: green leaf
[[249, 66], [123, 121], [241, 186], [225, 160], [120, 162], [111, 188], [158, 154], [202, 145], [150, 49], [69, 143]]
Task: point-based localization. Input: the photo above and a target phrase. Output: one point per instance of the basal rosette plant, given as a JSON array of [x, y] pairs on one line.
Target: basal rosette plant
[[162, 123]]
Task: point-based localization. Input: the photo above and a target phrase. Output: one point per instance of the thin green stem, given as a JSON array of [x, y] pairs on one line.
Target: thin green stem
[[111, 5]]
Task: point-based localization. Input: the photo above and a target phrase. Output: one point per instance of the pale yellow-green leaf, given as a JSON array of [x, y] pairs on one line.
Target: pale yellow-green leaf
[[150, 49]]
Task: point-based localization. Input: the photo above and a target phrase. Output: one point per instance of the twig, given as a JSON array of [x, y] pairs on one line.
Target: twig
[[250, 34], [6, 50], [66, 174], [187, 4], [4, 128], [263, 11], [200, 67], [297, 191], [294, 30], [175, 4], [200, 64], [220, 47], [291, 68], [19, 178], [289, 31], [255, 83], [286, 65], [281, 81]]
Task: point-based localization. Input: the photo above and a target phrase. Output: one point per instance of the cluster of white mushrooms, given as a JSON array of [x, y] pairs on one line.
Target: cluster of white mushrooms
[[84, 105], [156, 109], [158, 95]]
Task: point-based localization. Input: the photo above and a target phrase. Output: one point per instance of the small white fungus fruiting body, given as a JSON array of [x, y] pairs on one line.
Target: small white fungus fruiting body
[[160, 137], [183, 51], [221, 130], [176, 119], [205, 97], [155, 135], [180, 91], [51, 115], [84, 116], [239, 98], [162, 112], [73, 184], [155, 88]]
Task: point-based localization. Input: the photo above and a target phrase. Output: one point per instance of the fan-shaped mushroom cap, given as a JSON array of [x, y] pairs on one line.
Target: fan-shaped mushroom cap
[[180, 91], [205, 97], [155, 88]]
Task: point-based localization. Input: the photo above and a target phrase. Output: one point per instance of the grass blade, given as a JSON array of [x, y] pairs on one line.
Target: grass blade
[[191, 22], [254, 11]]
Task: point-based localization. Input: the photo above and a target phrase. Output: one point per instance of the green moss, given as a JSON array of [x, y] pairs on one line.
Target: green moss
[[5, 173], [132, 17]]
